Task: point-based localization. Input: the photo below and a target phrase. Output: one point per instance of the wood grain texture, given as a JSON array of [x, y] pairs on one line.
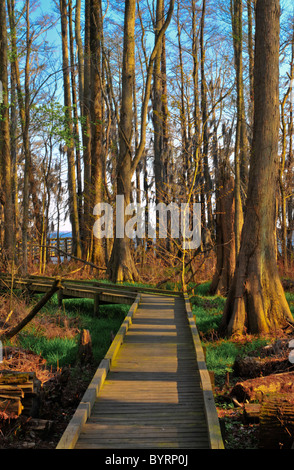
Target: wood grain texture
[[152, 395]]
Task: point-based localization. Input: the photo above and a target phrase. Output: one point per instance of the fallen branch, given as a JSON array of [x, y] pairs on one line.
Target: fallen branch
[[49, 247], [177, 269], [13, 331]]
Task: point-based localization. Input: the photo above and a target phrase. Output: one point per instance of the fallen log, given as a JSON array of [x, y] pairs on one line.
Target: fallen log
[[252, 367], [11, 405], [256, 389], [19, 392], [276, 428], [11, 391], [251, 413], [14, 377]]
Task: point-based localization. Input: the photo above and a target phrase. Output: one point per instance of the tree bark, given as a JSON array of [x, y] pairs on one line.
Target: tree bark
[[183, 112], [75, 113], [96, 113], [73, 202], [257, 388], [121, 265], [276, 429], [86, 136], [240, 142], [6, 171], [225, 240], [256, 301], [251, 61], [205, 134], [157, 112]]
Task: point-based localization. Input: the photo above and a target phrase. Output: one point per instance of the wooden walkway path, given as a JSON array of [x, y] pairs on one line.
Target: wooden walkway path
[[100, 293], [153, 389]]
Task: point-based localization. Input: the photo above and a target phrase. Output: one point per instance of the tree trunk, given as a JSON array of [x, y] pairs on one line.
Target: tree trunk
[[256, 301], [251, 62], [6, 172], [205, 134], [196, 114], [86, 136], [240, 143], [73, 202], [157, 112], [290, 163], [75, 113], [96, 112], [121, 265], [282, 183], [225, 241], [183, 113]]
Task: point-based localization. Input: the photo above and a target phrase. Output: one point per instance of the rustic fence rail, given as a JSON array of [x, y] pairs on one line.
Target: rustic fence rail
[[54, 247]]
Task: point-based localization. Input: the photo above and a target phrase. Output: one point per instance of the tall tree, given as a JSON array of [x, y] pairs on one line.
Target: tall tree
[[241, 138], [121, 265], [256, 301], [225, 218], [73, 201], [96, 113], [182, 106], [160, 111], [204, 110], [251, 60], [75, 112], [84, 81], [6, 172]]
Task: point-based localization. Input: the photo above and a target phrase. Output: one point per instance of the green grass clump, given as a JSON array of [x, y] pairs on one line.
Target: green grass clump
[[62, 351], [220, 352], [290, 299], [58, 352]]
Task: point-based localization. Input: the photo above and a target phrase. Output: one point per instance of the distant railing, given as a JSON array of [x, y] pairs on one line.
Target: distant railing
[[36, 251]]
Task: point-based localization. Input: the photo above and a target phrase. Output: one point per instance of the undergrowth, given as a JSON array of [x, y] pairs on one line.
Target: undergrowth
[[222, 352], [54, 333]]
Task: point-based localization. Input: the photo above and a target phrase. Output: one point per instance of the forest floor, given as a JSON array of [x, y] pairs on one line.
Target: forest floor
[[64, 386]]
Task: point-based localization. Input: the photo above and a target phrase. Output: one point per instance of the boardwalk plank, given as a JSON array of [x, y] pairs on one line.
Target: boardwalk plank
[[152, 396]]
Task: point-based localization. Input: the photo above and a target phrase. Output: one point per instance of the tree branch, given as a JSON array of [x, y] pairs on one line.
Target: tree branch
[[141, 147]]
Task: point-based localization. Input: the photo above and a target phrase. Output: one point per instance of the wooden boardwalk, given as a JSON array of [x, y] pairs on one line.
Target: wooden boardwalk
[[99, 292], [153, 389]]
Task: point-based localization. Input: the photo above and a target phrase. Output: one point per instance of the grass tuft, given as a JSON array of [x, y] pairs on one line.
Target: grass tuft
[[54, 333], [220, 352]]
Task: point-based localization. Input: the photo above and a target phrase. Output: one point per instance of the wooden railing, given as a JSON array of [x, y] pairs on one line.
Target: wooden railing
[[36, 250]]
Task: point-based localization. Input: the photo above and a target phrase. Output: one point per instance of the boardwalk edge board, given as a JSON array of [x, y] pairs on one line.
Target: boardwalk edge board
[[83, 412], [214, 431], [90, 284]]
